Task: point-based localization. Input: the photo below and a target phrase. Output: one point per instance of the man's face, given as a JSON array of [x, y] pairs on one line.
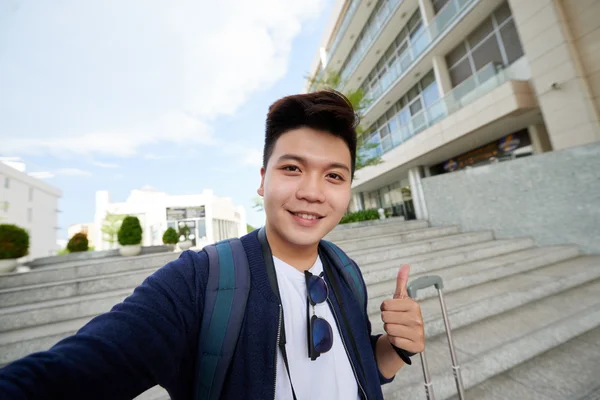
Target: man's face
[[306, 185]]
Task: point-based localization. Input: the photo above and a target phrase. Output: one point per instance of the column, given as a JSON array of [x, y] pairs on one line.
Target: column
[[442, 76], [415, 175], [539, 138], [558, 40], [427, 11]]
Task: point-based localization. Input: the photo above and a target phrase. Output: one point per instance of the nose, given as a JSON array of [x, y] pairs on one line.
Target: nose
[[311, 189]]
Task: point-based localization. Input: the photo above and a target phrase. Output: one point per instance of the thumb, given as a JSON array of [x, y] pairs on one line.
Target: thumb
[[401, 282]]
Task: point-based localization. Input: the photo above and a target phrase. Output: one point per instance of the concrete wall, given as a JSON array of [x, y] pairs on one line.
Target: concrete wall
[[553, 197]]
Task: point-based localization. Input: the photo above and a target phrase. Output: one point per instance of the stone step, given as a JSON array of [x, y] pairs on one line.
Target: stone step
[[399, 251], [373, 222], [35, 314], [154, 393], [84, 269], [375, 230], [20, 343], [474, 273], [74, 287], [393, 239], [478, 302], [433, 261], [569, 371], [499, 343]]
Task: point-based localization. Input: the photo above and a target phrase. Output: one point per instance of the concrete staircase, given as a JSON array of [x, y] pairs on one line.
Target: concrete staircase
[[511, 304]]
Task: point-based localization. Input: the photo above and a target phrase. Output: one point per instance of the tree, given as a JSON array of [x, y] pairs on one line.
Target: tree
[[110, 227], [359, 101], [250, 228], [79, 242]]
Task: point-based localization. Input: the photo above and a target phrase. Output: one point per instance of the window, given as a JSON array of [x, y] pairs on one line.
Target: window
[[6, 183], [6, 205], [30, 194], [438, 5], [29, 215], [495, 40]]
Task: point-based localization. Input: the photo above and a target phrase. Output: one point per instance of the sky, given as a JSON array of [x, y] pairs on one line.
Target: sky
[[120, 94]]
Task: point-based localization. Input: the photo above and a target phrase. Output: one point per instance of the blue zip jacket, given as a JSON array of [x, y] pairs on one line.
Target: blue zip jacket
[[152, 338]]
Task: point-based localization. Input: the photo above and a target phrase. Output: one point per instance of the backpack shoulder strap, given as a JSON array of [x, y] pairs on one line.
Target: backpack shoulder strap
[[348, 269], [224, 308]]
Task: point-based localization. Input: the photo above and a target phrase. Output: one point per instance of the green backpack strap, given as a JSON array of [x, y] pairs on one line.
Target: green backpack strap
[[349, 271], [224, 308]]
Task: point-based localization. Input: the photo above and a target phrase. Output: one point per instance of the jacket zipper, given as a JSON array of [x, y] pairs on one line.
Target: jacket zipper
[[346, 349], [276, 350]]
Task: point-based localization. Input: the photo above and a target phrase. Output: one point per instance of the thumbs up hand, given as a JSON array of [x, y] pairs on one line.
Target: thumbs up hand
[[402, 317]]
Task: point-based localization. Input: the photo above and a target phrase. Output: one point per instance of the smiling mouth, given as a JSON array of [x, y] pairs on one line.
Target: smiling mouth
[[306, 215]]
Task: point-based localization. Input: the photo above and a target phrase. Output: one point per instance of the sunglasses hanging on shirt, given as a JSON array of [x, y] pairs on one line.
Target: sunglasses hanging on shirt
[[320, 334]]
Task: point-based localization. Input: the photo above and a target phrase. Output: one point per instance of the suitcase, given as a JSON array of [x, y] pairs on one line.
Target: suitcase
[[412, 288]]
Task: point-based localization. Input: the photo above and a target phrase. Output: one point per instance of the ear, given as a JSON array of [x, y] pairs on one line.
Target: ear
[[261, 188]]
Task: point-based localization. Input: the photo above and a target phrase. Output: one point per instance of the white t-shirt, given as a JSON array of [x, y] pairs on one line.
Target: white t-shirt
[[330, 376]]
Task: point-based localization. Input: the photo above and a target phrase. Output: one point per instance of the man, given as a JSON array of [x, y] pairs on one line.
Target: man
[[329, 353]]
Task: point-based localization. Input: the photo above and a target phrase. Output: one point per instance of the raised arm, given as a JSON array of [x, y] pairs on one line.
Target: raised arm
[[141, 342]]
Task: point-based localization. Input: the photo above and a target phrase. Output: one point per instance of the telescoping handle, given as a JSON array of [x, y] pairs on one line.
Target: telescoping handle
[[412, 288]]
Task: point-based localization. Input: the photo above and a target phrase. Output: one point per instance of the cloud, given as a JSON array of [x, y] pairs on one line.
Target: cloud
[[72, 172], [41, 175], [104, 165], [248, 156], [114, 77]]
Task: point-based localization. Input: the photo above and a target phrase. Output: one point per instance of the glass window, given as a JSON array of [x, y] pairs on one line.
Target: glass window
[[460, 72], [455, 55], [415, 107], [511, 42], [487, 52], [414, 21], [6, 206], [428, 79], [6, 183], [438, 5], [30, 194], [29, 215], [480, 33], [502, 13]]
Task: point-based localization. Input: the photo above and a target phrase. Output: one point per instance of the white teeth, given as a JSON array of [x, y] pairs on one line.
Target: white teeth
[[306, 216]]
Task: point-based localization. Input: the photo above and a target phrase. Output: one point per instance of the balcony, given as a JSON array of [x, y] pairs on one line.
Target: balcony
[[438, 26], [485, 80]]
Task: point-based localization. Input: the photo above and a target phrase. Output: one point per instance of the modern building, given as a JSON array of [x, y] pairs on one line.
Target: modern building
[[32, 204], [210, 218], [457, 84]]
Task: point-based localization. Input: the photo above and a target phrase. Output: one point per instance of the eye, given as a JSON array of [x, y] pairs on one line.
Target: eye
[[335, 176], [291, 168]]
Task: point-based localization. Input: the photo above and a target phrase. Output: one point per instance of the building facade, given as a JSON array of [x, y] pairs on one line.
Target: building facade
[[210, 218], [457, 84], [31, 204]]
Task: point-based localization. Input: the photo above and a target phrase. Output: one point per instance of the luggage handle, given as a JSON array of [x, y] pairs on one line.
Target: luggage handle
[[412, 288], [424, 282]]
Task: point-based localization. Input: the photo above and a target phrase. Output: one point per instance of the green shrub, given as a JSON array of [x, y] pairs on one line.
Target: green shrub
[[130, 231], [79, 242], [170, 236], [363, 215], [14, 242]]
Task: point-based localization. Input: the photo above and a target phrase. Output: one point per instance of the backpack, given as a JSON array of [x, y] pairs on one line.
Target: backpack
[[225, 304]]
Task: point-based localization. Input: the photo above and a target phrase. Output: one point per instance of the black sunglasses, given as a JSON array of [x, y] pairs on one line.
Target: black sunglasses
[[320, 335]]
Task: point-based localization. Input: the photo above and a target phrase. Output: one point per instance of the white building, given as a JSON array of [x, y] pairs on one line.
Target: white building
[[31, 204], [209, 217], [88, 228], [455, 84]]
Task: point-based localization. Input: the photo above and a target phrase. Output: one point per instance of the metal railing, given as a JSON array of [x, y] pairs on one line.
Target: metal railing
[[483, 81], [418, 45]]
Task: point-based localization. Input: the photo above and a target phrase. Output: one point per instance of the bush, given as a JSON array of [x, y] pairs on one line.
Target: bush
[[79, 242], [130, 231], [364, 215], [170, 236], [14, 242]]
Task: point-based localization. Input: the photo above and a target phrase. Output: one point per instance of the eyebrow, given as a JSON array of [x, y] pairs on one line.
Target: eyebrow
[[303, 160]]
